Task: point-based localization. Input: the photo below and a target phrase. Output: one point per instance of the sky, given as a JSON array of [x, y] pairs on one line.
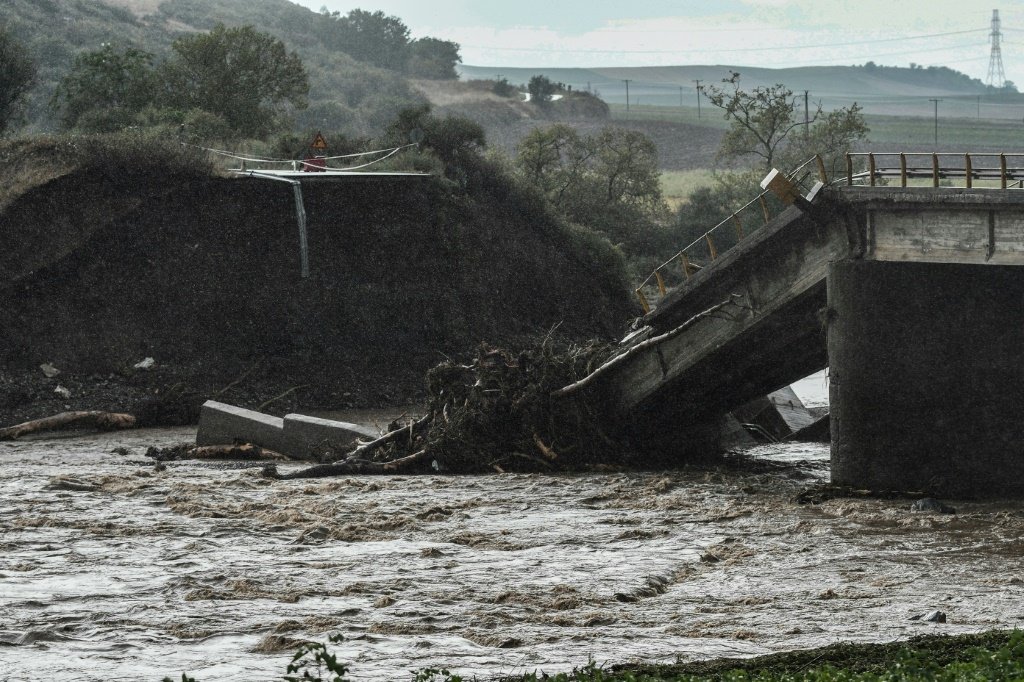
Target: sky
[[767, 33]]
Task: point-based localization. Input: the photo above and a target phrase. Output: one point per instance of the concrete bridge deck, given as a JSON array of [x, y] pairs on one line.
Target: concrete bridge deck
[[884, 286]]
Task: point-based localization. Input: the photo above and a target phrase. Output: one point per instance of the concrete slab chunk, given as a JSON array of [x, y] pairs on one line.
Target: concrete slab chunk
[[220, 424], [306, 435]]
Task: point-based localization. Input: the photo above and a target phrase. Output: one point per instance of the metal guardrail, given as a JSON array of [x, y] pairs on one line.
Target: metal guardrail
[[908, 166], [1007, 169], [688, 258]]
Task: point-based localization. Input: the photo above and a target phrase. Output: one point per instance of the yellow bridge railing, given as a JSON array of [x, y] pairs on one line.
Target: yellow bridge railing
[[704, 249], [991, 168]]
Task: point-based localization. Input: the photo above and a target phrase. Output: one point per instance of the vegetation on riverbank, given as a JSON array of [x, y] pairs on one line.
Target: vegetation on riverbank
[[993, 656]]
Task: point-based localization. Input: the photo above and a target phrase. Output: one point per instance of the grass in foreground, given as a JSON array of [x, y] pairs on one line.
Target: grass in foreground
[[995, 655]]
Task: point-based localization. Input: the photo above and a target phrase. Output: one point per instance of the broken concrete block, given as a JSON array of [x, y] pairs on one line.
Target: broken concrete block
[[220, 424], [307, 435]]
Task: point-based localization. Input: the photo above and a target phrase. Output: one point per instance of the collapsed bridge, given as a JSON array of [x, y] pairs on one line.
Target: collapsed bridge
[[913, 297]]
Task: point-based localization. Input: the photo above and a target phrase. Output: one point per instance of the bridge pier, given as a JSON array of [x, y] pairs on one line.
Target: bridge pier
[[927, 376]]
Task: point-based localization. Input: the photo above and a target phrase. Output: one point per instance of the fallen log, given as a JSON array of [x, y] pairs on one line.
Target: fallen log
[[103, 421], [366, 448], [349, 467], [639, 348], [234, 451]]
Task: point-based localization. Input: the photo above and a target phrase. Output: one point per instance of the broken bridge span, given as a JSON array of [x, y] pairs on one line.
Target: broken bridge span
[[912, 296]]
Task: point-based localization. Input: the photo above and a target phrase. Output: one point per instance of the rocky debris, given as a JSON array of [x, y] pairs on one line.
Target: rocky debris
[[49, 371], [145, 364], [930, 617], [930, 504]]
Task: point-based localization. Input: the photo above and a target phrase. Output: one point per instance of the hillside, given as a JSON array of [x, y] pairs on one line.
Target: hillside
[[345, 94], [880, 90], [117, 254]]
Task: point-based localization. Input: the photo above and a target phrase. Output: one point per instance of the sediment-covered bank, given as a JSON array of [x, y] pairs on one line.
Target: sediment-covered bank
[[119, 251]]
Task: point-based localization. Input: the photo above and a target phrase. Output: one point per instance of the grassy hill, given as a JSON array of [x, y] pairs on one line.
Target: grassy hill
[[880, 90], [344, 95]]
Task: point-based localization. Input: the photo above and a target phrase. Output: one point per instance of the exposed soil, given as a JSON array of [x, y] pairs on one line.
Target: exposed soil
[[201, 273]]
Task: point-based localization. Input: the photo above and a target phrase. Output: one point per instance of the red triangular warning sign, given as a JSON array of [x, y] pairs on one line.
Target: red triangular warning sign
[[319, 143]]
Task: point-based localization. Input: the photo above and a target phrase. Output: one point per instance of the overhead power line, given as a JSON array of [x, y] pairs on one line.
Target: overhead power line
[[771, 48]]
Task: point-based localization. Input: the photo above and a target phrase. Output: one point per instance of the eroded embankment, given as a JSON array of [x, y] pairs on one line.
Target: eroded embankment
[[110, 265]]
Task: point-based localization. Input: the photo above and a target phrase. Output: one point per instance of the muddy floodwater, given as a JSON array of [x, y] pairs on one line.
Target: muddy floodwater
[[111, 570]]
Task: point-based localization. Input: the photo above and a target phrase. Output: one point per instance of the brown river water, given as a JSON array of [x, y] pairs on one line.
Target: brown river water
[[110, 570]]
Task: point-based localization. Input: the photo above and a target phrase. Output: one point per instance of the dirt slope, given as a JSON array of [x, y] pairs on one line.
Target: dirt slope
[[202, 274]]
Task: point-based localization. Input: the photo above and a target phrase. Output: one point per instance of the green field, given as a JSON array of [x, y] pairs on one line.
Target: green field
[[888, 133], [676, 186]]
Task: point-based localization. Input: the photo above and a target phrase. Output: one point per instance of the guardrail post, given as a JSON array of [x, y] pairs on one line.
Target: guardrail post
[[871, 169], [968, 172], [821, 169], [711, 246], [1002, 171], [849, 168], [764, 209], [643, 301], [739, 226], [903, 169], [686, 265], [661, 283], [935, 170]]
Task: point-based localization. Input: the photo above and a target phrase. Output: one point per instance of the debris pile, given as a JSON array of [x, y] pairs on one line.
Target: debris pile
[[497, 414]]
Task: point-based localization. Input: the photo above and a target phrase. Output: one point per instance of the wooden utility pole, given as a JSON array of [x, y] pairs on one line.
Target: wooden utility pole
[[936, 102], [807, 116], [626, 81], [697, 81]]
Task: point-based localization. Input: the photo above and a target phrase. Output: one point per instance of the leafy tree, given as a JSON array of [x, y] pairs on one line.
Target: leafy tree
[[627, 163], [761, 119], [17, 76], [609, 182], [541, 89], [433, 58], [371, 37], [106, 88], [554, 159], [764, 120], [455, 141], [246, 77], [831, 137]]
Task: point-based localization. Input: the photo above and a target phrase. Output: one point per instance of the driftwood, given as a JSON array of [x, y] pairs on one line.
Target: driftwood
[[234, 451], [104, 421], [349, 467], [639, 348], [411, 430]]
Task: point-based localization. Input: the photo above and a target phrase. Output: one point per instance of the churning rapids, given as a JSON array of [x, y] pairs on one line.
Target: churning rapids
[[111, 570]]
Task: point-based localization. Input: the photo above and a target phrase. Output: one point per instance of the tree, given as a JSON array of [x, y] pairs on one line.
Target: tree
[[106, 88], [454, 140], [246, 77], [371, 37], [831, 137], [761, 119], [609, 182], [433, 58], [541, 89], [17, 76]]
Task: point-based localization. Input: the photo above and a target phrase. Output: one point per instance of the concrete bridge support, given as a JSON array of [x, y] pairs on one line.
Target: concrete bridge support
[[927, 376]]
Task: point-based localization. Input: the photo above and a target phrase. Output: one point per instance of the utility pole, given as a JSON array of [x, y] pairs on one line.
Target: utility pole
[[807, 116], [697, 81], [626, 81], [979, 106], [680, 96], [936, 101]]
